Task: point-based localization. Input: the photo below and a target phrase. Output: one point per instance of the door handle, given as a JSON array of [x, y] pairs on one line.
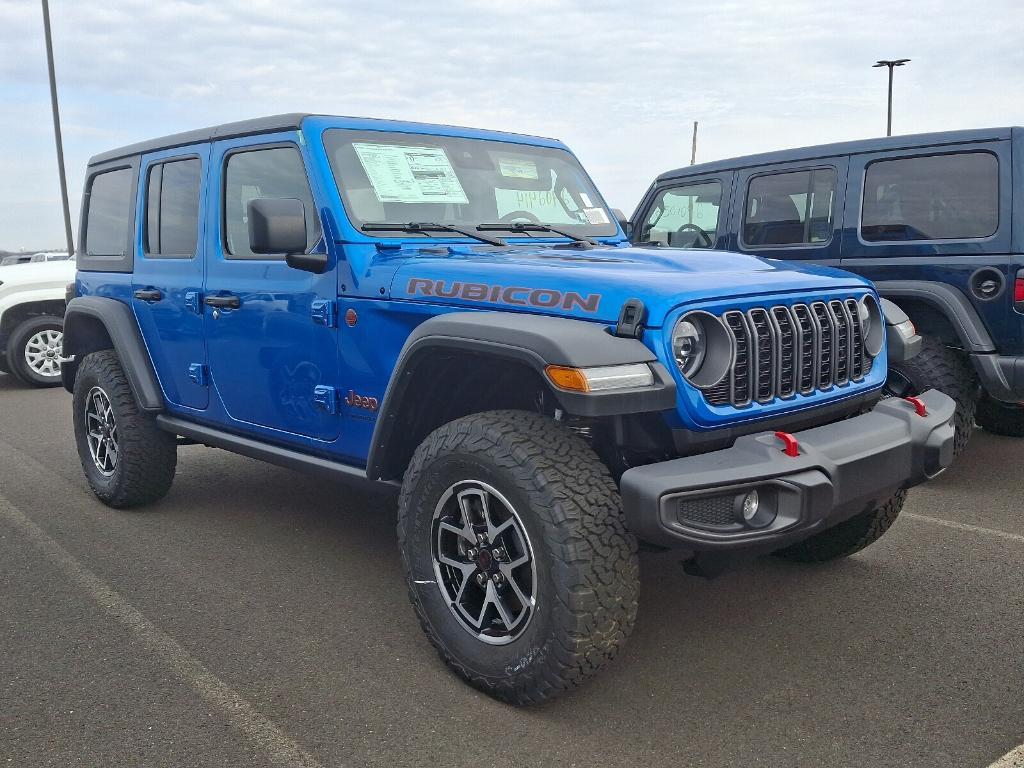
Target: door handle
[[148, 295], [223, 302]]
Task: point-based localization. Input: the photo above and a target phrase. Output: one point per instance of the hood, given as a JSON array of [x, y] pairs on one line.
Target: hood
[[593, 284], [41, 272]]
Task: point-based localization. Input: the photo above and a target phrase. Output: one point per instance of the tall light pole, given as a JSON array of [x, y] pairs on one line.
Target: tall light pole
[[56, 129], [891, 64]]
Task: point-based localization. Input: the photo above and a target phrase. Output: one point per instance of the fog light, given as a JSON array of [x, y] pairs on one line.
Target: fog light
[[750, 506]]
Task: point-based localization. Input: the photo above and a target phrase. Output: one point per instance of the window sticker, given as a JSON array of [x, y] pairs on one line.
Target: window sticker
[[596, 215], [517, 169], [403, 174], [586, 200]]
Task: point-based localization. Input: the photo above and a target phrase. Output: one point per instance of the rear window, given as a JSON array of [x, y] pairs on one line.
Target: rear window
[[790, 208], [938, 197], [172, 209], [109, 214]]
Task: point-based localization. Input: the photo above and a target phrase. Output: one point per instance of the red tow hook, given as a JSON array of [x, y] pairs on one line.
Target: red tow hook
[[792, 446], [918, 405]]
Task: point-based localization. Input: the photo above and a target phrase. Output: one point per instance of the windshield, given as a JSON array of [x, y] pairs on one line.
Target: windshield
[[398, 178]]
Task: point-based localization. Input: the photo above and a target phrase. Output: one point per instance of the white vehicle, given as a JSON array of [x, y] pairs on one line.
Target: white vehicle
[[32, 320]]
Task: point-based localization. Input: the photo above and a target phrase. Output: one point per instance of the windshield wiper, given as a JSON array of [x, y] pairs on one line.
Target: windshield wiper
[[428, 226], [523, 226]]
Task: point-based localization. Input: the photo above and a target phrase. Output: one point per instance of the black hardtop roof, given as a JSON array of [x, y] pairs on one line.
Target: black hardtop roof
[[909, 141], [257, 125]]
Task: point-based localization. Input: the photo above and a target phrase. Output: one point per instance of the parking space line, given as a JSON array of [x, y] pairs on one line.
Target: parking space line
[[267, 736], [1012, 759], [965, 527]]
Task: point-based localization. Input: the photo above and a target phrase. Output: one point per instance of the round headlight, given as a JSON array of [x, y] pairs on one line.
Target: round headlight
[[689, 345], [871, 324]]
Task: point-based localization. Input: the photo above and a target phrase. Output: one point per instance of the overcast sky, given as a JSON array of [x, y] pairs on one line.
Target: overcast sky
[[620, 82]]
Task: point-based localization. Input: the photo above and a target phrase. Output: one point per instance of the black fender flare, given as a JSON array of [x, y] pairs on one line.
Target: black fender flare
[[122, 331], [953, 304], [537, 341]]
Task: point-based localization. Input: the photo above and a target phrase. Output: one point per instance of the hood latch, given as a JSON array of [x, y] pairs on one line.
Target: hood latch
[[632, 317]]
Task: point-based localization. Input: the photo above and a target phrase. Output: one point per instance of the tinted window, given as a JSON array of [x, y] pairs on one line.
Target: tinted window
[[276, 172], [685, 217], [792, 208], [172, 208], [941, 197], [109, 212]]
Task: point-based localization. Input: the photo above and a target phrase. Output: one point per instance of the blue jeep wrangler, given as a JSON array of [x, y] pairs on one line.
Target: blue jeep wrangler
[[932, 219], [457, 315]]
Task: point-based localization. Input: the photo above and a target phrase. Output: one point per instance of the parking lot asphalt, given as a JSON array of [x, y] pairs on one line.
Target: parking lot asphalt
[[257, 616]]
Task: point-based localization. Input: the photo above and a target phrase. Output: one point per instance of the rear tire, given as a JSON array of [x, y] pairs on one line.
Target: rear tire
[[948, 371], [34, 350], [848, 537], [1000, 418], [574, 600], [127, 459]]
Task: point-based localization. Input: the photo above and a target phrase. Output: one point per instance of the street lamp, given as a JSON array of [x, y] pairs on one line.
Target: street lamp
[[890, 64], [56, 129]]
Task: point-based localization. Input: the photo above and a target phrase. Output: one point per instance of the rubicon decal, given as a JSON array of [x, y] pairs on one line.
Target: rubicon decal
[[513, 295]]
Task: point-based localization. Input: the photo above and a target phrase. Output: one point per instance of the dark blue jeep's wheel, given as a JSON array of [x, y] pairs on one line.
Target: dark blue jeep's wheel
[[520, 567], [127, 459], [1005, 419]]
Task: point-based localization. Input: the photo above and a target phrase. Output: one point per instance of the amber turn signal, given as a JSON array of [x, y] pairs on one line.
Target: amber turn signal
[[571, 379]]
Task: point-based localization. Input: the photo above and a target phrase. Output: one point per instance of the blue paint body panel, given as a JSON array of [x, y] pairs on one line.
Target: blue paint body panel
[[278, 362]]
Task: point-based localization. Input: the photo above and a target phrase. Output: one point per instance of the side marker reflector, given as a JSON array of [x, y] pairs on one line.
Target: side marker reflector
[[571, 379], [918, 405], [792, 446]]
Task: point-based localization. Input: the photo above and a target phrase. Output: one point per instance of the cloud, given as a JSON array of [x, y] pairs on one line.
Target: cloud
[[621, 83]]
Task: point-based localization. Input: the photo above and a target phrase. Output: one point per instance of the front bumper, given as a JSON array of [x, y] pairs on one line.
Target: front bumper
[[842, 469]]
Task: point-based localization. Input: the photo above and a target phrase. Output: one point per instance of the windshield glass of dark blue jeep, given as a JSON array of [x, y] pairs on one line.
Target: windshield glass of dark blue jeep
[[403, 178]]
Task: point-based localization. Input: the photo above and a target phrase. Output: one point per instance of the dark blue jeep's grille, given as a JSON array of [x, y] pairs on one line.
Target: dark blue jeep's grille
[[783, 350]]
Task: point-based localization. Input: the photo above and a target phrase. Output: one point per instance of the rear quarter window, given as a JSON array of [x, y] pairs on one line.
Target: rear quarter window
[[108, 220], [933, 197]]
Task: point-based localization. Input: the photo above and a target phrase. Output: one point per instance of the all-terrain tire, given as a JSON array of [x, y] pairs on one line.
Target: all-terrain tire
[[999, 418], [36, 331], [849, 536], [948, 371], [146, 456], [587, 572]]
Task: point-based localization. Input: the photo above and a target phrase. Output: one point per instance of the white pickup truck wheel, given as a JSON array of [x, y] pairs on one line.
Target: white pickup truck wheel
[[34, 350]]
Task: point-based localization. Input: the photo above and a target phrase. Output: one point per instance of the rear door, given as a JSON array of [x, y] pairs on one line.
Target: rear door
[[168, 275], [270, 329], [790, 210]]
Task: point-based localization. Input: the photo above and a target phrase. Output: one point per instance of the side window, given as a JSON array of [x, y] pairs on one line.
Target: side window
[[792, 208], [938, 197], [685, 217], [251, 174], [172, 208], [109, 213]]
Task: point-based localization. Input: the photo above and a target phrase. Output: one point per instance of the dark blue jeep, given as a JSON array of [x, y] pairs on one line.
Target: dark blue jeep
[[456, 314], [932, 219]]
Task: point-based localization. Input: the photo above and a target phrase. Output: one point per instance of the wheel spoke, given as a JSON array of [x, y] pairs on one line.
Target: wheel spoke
[[468, 513], [506, 617], [467, 569], [506, 571], [460, 532]]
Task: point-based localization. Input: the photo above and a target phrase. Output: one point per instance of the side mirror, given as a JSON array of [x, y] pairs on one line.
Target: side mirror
[[623, 221], [276, 225]]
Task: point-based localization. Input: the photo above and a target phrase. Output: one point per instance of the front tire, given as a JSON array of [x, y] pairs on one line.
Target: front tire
[[34, 350], [848, 537], [519, 564], [127, 459], [937, 366]]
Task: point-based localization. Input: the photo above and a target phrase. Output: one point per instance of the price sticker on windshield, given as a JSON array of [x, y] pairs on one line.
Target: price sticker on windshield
[[406, 174], [596, 215]]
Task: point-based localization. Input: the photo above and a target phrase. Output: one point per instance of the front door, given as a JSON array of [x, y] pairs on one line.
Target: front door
[[273, 347], [168, 276]]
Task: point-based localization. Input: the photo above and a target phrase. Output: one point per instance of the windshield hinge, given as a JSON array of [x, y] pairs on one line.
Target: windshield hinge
[[631, 319], [323, 313]]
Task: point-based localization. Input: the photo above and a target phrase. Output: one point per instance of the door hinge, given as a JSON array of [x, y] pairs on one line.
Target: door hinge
[[324, 313], [197, 372], [325, 398], [193, 302]]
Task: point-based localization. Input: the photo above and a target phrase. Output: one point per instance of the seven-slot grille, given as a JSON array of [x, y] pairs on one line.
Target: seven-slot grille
[[784, 350]]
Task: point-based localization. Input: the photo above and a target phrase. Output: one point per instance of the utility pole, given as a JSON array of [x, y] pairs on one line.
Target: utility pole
[[56, 129], [891, 64], [693, 146]]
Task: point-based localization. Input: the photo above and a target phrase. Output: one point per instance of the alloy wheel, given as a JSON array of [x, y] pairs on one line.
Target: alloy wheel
[[101, 431], [43, 352]]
